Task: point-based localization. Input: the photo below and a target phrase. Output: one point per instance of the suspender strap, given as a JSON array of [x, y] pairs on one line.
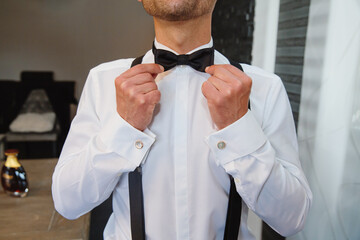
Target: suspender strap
[[137, 61], [137, 217], [233, 213], [136, 198], [233, 216]]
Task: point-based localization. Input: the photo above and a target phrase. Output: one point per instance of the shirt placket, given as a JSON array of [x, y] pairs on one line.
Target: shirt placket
[[180, 153]]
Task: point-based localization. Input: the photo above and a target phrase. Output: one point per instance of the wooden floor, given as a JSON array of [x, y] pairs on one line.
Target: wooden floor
[[34, 216]]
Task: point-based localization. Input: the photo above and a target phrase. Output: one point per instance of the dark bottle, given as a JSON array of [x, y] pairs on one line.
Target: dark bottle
[[13, 175]]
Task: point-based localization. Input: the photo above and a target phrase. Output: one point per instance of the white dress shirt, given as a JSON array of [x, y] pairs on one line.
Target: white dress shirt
[[185, 173]]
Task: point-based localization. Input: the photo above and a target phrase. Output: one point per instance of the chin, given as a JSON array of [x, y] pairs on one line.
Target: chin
[[178, 10]]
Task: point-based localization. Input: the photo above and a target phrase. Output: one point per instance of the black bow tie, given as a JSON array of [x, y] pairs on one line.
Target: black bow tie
[[198, 60]]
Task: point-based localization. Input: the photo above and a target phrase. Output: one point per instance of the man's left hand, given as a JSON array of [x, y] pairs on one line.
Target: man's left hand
[[227, 92]]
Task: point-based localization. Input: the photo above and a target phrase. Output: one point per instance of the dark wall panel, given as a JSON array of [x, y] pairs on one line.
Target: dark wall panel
[[293, 21], [233, 27]]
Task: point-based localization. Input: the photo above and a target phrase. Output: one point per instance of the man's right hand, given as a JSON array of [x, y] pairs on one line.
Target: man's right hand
[[137, 94]]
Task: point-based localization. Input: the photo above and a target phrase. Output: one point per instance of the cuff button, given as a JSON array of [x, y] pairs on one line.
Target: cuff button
[[139, 144], [221, 145]]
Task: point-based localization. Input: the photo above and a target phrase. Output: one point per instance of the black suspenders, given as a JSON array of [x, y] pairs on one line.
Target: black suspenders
[[136, 198], [137, 217]]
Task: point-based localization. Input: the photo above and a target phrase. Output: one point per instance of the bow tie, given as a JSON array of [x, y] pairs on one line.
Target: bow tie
[[198, 60]]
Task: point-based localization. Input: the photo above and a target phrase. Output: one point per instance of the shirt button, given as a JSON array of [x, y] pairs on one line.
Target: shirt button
[[237, 180], [221, 145], [139, 144]]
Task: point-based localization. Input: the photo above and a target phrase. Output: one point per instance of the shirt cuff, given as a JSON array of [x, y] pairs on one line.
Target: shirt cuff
[[130, 143], [239, 139]]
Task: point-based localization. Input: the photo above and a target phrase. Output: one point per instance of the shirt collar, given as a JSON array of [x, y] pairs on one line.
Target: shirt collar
[[161, 46]]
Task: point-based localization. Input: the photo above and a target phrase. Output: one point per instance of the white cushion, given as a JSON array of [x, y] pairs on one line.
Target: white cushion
[[33, 122]]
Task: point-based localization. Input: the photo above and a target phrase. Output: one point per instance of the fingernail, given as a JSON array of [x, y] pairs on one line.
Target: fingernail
[[162, 68], [206, 69]]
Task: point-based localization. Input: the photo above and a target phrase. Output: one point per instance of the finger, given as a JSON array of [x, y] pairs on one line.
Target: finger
[[232, 69], [153, 96], [230, 74], [244, 78], [145, 88], [151, 68], [141, 79], [209, 90], [218, 83], [130, 83], [222, 73]]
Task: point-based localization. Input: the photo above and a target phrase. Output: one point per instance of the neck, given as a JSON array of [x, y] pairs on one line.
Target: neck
[[183, 36]]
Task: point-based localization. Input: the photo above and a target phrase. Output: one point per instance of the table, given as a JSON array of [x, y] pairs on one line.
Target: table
[[27, 138], [34, 216]]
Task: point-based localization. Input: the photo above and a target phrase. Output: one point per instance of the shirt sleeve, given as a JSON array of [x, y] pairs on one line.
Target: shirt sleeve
[[95, 154], [263, 159]]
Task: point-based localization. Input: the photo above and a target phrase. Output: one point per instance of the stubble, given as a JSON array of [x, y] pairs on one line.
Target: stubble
[[178, 10]]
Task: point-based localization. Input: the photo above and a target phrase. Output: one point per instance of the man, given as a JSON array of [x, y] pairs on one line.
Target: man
[[188, 130]]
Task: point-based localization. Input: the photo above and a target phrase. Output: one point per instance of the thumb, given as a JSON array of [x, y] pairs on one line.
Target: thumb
[[210, 69]]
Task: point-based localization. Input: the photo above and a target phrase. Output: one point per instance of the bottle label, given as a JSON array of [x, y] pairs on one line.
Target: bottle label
[[12, 162]]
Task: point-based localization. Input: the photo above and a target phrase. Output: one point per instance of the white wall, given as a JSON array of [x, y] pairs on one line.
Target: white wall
[[265, 34], [329, 123], [70, 36]]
